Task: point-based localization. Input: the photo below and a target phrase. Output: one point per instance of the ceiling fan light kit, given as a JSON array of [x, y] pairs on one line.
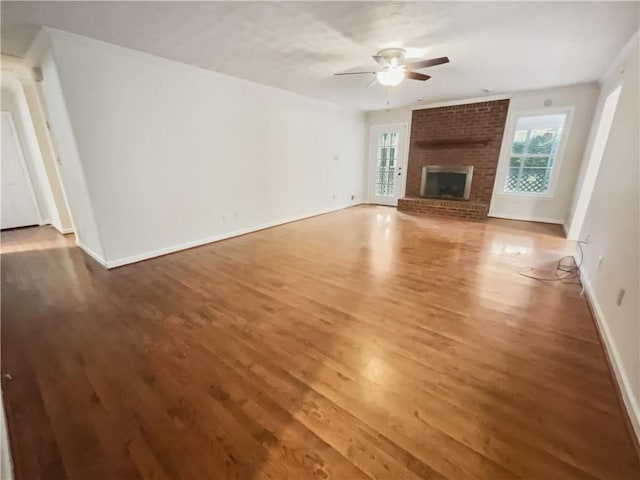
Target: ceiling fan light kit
[[390, 76], [394, 71]]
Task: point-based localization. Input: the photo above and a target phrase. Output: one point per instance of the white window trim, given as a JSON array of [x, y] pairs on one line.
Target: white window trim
[[507, 143]]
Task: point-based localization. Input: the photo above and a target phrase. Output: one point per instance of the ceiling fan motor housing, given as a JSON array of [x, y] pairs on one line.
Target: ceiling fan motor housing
[[394, 70], [393, 56]]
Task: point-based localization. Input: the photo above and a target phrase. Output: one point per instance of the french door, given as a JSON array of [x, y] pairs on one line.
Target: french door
[[386, 173]]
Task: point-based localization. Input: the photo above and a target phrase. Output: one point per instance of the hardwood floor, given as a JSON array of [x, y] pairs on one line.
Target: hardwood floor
[[364, 343]]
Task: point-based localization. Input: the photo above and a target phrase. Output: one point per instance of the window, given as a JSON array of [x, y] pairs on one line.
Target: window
[[533, 153], [386, 164]]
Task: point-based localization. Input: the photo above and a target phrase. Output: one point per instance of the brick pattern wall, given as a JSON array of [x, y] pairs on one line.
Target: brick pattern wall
[[444, 208], [484, 122]]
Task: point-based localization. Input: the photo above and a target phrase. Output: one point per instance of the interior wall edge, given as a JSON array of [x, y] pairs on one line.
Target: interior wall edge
[[607, 83], [615, 361], [92, 254], [621, 58], [62, 220], [42, 54]]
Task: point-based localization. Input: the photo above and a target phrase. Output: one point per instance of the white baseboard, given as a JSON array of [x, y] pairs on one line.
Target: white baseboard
[[526, 218], [63, 231], [622, 380], [203, 241], [93, 255]]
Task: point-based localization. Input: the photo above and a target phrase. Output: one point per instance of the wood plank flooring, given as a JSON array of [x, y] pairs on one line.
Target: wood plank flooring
[[364, 343]]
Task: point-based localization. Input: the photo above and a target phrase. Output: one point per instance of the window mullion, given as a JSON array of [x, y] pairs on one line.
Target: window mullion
[[522, 161]]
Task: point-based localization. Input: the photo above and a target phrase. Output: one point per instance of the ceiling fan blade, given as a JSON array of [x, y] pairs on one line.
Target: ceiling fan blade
[[373, 82], [416, 76], [380, 60], [354, 73], [432, 62]]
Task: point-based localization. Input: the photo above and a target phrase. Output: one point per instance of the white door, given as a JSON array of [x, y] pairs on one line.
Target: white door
[[386, 172], [19, 207]]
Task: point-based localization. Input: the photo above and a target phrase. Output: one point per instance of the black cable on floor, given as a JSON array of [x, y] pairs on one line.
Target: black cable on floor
[[567, 270]]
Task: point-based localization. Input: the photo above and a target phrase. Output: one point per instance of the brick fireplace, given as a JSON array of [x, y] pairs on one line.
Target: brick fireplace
[[457, 136]]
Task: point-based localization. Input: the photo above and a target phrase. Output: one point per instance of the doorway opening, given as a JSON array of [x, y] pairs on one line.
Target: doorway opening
[[32, 192], [593, 163]]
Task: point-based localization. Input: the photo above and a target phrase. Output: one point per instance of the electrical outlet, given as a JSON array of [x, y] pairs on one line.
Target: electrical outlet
[[334, 196], [586, 239], [621, 293]]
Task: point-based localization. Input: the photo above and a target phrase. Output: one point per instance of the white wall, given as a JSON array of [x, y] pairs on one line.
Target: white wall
[[612, 223], [599, 132], [555, 207], [62, 134], [383, 117], [173, 155], [13, 100]]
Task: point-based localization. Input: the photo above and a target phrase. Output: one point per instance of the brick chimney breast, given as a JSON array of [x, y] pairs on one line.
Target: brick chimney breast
[[456, 135]]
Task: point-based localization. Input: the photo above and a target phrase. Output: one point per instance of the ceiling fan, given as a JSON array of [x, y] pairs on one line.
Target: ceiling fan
[[395, 70]]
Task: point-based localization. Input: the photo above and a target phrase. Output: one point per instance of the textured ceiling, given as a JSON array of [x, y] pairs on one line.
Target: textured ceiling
[[298, 46]]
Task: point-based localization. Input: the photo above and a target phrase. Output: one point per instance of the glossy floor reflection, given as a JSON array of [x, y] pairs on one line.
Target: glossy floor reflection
[[364, 343]]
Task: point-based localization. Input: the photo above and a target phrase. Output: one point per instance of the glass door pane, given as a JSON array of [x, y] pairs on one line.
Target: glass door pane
[[386, 164]]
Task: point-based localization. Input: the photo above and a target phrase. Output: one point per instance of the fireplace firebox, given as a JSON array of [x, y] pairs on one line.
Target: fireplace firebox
[[448, 182]]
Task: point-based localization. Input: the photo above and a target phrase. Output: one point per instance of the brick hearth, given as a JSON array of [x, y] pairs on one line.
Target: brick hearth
[[444, 208], [456, 135]]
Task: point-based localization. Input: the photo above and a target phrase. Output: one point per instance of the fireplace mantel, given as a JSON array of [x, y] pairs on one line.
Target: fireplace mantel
[[453, 143]]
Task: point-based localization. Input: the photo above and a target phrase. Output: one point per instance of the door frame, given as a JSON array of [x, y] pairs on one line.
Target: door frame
[[402, 161], [23, 162]]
